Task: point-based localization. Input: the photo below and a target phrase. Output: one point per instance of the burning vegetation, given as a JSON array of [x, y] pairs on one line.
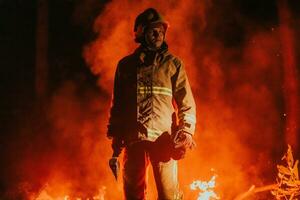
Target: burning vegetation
[[288, 182]]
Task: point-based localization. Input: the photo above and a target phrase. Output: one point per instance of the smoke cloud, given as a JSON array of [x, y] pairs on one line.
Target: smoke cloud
[[234, 62], [235, 69]]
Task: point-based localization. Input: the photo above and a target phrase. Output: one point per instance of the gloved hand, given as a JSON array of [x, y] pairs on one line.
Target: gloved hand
[[114, 165], [181, 142]]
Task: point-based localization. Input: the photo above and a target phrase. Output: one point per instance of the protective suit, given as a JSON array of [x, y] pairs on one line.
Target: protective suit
[[152, 108]]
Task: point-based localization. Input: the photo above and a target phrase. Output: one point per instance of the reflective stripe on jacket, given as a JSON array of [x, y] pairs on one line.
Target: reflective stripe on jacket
[[146, 86]]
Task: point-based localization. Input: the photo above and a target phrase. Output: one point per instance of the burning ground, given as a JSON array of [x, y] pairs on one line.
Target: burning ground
[[242, 59]]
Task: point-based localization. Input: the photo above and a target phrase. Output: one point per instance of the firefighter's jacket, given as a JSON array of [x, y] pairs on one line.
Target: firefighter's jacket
[[150, 88]]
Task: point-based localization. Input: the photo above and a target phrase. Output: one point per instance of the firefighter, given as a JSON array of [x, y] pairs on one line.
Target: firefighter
[[153, 113]]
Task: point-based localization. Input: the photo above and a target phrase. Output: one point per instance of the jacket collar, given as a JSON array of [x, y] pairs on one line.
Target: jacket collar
[[143, 48], [148, 57]]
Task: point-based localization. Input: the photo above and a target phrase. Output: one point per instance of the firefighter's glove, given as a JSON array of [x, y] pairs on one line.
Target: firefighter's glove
[[114, 165], [182, 141]]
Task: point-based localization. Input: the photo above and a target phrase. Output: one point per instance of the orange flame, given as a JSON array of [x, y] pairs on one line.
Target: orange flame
[[237, 89], [235, 98]]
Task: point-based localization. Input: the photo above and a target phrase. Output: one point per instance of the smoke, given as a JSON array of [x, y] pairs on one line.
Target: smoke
[[116, 38], [79, 119], [234, 63], [291, 81], [235, 69]]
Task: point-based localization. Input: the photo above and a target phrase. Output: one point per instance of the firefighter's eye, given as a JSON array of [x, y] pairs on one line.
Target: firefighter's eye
[[155, 32]]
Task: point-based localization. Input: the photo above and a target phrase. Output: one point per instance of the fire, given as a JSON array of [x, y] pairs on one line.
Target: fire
[[44, 195], [206, 189], [288, 182], [237, 86]]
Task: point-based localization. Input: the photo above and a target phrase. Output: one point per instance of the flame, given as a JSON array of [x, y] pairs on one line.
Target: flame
[[228, 83], [206, 189], [44, 195], [237, 86]]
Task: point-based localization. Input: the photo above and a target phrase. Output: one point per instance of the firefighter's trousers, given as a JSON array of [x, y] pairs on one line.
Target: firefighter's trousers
[[136, 161]]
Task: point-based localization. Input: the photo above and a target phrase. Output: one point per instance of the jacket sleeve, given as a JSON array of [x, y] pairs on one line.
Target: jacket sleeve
[[184, 99], [114, 119]]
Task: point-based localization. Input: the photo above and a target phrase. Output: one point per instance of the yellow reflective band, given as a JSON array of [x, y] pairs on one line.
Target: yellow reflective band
[[153, 134], [188, 117], [155, 90], [162, 88], [162, 92]]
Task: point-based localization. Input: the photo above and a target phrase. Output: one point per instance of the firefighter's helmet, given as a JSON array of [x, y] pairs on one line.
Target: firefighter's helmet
[[146, 18]]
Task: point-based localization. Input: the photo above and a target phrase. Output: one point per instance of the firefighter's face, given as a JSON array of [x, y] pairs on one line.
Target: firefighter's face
[[155, 35]]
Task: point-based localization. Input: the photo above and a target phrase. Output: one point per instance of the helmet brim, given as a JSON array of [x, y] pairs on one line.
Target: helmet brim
[[163, 23]]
